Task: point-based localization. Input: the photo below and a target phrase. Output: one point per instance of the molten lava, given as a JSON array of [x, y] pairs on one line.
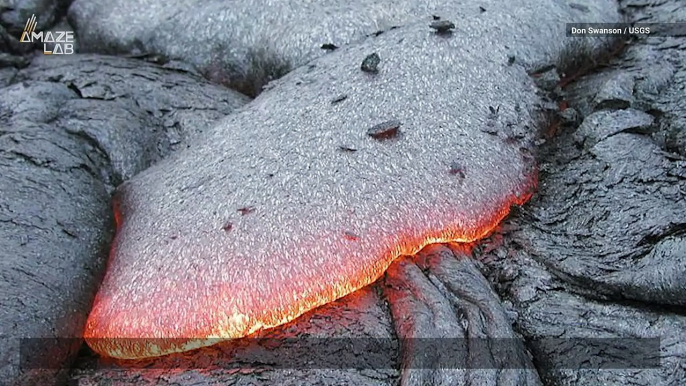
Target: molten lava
[[134, 333]]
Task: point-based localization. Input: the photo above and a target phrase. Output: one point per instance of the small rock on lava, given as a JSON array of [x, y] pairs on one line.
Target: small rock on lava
[[456, 169], [385, 130], [246, 210], [370, 64], [347, 149], [442, 26], [351, 236], [339, 98]]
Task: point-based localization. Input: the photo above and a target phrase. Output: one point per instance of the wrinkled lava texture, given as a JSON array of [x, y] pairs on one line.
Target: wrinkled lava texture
[[71, 129], [267, 218]]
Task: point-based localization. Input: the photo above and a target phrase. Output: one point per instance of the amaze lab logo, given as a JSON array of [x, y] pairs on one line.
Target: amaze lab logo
[[62, 41]]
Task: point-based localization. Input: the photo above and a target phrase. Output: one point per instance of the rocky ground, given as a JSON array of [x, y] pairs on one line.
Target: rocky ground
[[583, 276]]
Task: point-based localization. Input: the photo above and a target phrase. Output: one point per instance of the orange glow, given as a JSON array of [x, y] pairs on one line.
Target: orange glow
[[133, 332]]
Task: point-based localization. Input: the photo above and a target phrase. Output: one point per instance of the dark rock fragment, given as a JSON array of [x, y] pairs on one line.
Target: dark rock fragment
[[351, 236], [347, 149], [329, 46], [511, 59], [385, 130], [547, 80], [442, 26], [339, 98], [370, 64], [570, 117], [456, 169], [246, 210]]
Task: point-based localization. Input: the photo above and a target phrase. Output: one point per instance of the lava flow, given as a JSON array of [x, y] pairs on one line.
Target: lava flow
[[135, 333], [264, 218]]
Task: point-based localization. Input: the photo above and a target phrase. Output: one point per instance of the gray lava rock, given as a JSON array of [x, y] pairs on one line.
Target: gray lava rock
[[160, 109], [605, 211], [72, 129], [453, 327], [247, 44], [596, 258], [616, 93], [15, 13], [548, 80], [604, 124], [577, 340], [55, 224]]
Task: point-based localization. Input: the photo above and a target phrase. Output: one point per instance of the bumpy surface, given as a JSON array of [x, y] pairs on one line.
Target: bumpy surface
[[246, 44], [267, 218], [598, 252], [71, 129]]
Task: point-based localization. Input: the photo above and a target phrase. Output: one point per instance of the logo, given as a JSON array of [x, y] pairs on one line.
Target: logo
[[61, 42]]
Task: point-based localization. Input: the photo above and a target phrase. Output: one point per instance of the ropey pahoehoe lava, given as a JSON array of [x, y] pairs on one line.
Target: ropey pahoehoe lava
[[266, 218]]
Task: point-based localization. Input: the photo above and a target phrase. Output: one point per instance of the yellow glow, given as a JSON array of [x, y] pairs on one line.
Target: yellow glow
[[215, 320]]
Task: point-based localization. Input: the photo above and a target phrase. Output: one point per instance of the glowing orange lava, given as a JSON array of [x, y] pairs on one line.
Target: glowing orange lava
[[127, 335]]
